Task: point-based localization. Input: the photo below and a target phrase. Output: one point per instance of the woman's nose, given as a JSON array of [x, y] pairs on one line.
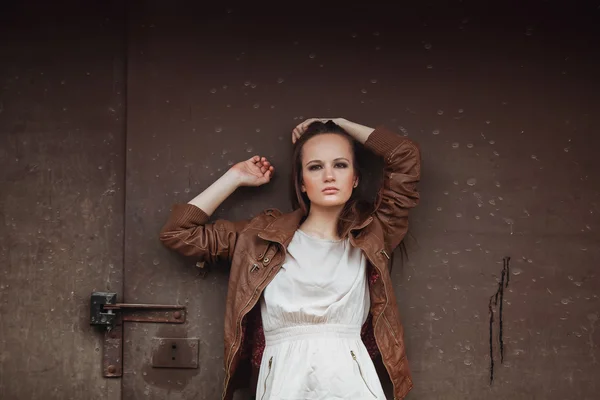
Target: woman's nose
[[329, 175]]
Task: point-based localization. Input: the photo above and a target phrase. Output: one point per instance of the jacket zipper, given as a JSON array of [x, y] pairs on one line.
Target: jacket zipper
[[237, 329], [379, 317], [384, 253], [267, 378], [361, 373]]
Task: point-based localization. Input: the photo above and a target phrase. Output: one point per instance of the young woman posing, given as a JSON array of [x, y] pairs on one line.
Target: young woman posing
[[310, 302]]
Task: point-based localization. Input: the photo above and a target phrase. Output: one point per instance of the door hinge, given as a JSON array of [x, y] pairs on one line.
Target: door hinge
[[109, 315]]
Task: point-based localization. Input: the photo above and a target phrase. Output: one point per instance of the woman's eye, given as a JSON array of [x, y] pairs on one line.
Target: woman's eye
[[338, 165]]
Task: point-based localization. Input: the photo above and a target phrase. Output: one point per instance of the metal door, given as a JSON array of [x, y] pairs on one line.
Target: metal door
[[62, 169], [504, 116], [503, 103]]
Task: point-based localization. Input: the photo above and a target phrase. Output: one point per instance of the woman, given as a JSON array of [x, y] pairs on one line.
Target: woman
[[310, 298]]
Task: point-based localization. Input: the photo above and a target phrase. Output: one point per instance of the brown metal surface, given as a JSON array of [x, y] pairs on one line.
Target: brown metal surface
[[175, 353], [504, 104], [61, 193], [112, 356]]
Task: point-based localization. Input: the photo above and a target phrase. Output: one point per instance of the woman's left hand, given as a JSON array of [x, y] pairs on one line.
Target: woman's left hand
[[301, 128]]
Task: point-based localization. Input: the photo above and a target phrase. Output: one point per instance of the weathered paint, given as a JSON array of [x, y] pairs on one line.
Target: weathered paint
[[504, 104], [61, 198]]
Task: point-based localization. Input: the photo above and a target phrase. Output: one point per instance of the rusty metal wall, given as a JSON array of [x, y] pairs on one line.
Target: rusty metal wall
[[504, 104], [61, 198]]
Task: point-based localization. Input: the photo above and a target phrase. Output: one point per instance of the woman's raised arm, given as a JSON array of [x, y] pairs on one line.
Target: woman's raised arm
[[187, 230]]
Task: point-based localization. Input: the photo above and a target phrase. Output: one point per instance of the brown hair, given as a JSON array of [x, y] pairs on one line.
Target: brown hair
[[356, 209]]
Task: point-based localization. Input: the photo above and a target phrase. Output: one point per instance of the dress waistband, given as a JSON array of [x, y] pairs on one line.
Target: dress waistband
[[317, 331]]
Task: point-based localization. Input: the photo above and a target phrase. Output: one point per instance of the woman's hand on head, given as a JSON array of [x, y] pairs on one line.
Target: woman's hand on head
[[301, 128], [255, 171]]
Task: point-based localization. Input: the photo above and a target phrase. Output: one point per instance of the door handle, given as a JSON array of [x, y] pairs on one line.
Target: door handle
[[109, 315]]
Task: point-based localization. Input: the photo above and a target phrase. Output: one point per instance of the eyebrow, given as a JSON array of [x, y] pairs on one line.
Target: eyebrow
[[337, 159]]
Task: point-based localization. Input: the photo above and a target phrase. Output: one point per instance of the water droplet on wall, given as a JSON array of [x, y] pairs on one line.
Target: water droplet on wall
[[436, 132], [428, 46], [471, 181]]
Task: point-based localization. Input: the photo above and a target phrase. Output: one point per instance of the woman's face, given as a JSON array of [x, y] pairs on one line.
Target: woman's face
[[328, 175]]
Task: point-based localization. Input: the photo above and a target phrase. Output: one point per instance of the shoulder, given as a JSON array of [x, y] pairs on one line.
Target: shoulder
[[272, 212], [265, 217]]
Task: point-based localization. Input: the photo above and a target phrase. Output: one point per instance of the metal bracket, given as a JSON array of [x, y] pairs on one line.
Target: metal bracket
[[110, 315]]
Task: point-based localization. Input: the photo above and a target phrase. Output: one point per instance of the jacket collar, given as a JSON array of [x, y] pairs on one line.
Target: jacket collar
[[282, 229]]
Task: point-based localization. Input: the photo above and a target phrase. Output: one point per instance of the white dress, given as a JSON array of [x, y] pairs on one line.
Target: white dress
[[312, 315]]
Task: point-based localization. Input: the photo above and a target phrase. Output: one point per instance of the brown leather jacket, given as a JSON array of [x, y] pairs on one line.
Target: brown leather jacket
[[255, 249]]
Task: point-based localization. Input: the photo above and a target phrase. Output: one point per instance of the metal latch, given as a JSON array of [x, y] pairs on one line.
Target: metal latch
[[106, 313]]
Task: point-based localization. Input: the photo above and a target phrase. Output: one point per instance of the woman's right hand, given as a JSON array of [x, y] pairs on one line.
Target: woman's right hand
[[255, 171]]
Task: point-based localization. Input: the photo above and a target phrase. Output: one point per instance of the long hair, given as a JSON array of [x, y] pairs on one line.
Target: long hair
[[358, 208]]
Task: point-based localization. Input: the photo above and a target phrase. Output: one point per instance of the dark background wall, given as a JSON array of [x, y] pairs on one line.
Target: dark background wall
[[110, 112]]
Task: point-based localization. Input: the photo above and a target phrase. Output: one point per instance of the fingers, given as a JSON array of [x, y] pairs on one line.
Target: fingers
[[263, 164], [301, 128]]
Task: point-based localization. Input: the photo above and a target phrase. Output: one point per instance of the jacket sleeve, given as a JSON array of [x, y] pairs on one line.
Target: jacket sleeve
[[188, 232], [401, 173]]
